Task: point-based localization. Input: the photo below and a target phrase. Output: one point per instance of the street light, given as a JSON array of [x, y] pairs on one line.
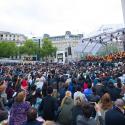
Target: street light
[[38, 52]]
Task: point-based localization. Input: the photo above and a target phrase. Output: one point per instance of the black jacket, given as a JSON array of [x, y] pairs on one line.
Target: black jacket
[[48, 106], [33, 123], [3, 115], [114, 117], [114, 93], [77, 110], [81, 120]]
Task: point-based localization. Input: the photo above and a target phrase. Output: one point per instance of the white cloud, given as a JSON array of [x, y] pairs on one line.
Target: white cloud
[[56, 16]]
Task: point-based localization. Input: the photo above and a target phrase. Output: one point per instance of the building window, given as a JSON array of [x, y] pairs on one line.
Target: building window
[[1, 35]]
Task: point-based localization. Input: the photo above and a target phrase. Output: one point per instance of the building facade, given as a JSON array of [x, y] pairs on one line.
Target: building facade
[[66, 43], [123, 9], [7, 36]]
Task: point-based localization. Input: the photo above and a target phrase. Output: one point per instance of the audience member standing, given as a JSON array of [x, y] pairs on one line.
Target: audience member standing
[[18, 112], [48, 105], [116, 115]]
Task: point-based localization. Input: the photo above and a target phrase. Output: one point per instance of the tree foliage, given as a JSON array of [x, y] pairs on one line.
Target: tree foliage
[[47, 48], [8, 49], [29, 48]]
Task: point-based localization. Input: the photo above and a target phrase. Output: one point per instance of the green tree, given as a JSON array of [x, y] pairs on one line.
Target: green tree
[[8, 49], [47, 48], [29, 48]]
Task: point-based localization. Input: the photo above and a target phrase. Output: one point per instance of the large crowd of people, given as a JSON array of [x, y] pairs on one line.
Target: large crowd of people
[[110, 57], [80, 93]]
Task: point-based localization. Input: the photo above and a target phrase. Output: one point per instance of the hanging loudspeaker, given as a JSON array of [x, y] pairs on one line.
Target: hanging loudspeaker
[[69, 51], [65, 54]]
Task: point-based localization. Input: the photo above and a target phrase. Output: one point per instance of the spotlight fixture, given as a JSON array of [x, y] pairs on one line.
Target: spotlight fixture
[[112, 36], [116, 38], [90, 40], [111, 39]]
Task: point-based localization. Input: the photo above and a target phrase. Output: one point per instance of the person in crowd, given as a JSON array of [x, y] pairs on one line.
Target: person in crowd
[[3, 115], [31, 95], [62, 90], [94, 97], [122, 91], [85, 85], [3, 96], [101, 74], [105, 105], [86, 119], [10, 90], [30, 81], [116, 115], [65, 114], [44, 88], [17, 85], [3, 111], [88, 91], [119, 86], [77, 108], [72, 86], [48, 105], [100, 88], [38, 99], [18, 112], [24, 84], [39, 83], [32, 117], [78, 93], [113, 91]]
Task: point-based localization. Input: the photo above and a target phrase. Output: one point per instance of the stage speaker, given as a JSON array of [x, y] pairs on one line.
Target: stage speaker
[[34, 58], [69, 51], [65, 54]]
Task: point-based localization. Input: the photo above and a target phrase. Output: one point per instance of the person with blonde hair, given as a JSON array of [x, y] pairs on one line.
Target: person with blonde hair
[[18, 112], [65, 115], [78, 93], [77, 108], [67, 94]]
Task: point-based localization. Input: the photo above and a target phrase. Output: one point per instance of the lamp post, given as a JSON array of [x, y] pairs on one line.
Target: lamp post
[[38, 53]]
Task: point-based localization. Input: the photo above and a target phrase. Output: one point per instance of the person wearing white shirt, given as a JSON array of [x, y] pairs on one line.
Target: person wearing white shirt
[[79, 94]]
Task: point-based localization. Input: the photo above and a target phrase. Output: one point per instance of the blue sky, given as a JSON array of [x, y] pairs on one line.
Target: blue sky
[[36, 17]]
